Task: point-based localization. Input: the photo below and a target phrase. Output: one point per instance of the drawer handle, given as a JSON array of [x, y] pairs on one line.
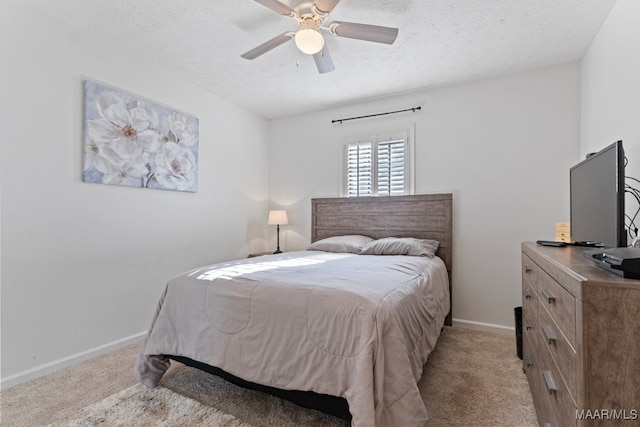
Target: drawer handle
[[527, 270], [548, 334], [528, 360], [528, 326], [551, 384], [548, 295], [527, 294]]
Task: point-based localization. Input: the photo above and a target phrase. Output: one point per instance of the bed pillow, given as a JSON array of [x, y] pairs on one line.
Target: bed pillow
[[401, 246], [352, 244]]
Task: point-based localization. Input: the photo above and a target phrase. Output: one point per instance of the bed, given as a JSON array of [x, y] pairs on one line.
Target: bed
[[334, 330]]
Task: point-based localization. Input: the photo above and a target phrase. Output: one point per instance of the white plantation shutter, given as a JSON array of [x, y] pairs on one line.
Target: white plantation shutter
[[391, 168], [359, 169], [377, 165]]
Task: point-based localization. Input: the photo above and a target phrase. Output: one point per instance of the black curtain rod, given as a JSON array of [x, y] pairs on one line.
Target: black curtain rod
[[378, 114]]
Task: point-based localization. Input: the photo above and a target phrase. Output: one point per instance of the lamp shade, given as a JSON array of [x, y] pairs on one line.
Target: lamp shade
[[278, 217]]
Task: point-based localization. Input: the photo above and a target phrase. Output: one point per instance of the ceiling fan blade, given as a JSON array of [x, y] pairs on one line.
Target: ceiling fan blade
[[372, 33], [323, 61], [277, 6], [268, 45], [326, 6]]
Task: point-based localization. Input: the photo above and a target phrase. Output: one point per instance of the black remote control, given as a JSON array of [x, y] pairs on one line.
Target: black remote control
[[551, 243]]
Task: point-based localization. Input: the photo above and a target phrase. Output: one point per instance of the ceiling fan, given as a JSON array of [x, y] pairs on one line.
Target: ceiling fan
[[311, 18]]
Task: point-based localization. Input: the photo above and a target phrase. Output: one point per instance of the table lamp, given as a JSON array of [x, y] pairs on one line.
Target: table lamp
[[277, 217]]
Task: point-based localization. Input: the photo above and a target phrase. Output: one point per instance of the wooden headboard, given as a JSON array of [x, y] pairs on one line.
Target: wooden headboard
[[425, 216]]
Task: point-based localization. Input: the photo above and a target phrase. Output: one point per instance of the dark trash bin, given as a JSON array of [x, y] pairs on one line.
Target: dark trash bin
[[518, 315]]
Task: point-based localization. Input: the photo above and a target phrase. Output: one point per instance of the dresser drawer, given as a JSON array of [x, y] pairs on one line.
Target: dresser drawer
[[560, 304], [530, 305], [555, 389], [557, 345], [531, 366], [530, 323], [529, 345], [546, 416], [529, 292], [529, 273], [529, 354]]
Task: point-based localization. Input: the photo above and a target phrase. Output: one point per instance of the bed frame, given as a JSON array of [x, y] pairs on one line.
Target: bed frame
[[425, 216]]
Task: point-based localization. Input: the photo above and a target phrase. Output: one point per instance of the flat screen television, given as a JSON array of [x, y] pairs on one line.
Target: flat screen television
[[597, 198]]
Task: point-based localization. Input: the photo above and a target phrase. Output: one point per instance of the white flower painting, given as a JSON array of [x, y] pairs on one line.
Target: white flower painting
[[134, 142]]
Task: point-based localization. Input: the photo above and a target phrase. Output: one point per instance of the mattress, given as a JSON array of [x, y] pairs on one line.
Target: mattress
[[355, 326]]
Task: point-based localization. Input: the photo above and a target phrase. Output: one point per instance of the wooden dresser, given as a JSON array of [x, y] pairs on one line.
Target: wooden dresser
[[581, 339]]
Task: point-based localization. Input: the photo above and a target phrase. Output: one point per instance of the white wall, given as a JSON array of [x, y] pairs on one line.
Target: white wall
[[610, 75], [503, 147], [83, 265]]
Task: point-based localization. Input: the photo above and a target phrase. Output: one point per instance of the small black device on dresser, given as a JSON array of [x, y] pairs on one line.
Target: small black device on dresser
[[624, 262]]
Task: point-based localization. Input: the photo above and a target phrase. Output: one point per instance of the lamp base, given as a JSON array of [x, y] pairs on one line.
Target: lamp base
[[278, 251]]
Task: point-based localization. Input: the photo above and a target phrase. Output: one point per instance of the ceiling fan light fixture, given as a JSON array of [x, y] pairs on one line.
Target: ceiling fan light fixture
[[309, 41]]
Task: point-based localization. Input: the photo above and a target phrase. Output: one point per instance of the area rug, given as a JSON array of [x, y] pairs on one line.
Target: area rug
[[138, 406]]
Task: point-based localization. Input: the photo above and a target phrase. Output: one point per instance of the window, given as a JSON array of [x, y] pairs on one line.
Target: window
[[377, 165]]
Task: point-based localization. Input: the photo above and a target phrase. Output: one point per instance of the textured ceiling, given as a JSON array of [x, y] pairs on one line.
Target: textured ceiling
[[440, 42]]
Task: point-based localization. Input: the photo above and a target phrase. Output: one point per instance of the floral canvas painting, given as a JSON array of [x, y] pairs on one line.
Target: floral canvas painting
[[135, 142]]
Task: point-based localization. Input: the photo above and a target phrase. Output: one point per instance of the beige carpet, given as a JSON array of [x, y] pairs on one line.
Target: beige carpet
[[471, 379]]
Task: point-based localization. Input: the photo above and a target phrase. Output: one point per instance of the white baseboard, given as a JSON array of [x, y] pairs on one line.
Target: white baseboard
[[487, 327], [74, 359]]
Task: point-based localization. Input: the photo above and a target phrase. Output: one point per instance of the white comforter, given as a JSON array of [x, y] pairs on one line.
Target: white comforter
[[355, 326]]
